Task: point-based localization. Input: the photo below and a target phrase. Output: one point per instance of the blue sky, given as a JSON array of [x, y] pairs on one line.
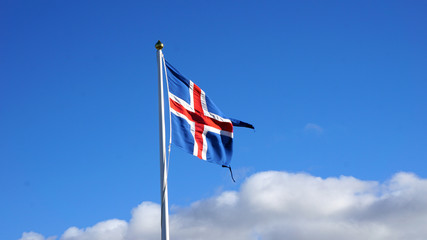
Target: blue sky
[[333, 88]]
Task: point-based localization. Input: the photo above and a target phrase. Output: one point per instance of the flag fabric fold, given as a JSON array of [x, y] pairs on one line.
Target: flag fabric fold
[[198, 125]]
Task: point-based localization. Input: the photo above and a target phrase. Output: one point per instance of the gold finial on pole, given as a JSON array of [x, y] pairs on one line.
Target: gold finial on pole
[[159, 45]]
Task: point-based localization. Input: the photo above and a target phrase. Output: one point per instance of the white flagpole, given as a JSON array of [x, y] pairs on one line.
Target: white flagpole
[[163, 167]]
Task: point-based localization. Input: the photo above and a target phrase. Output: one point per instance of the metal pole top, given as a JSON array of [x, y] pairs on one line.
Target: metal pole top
[[159, 45]]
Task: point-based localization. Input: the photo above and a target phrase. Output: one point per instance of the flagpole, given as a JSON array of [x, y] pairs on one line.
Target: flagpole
[[163, 167]]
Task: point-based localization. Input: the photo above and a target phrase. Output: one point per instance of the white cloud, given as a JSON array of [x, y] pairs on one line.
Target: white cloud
[[311, 127], [278, 205], [113, 229], [35, 236], [145, 222]]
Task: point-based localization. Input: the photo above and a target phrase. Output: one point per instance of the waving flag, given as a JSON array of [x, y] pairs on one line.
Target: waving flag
[[198, 126]]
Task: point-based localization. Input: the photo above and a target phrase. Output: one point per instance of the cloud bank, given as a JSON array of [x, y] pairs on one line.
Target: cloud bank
[[279, 205]]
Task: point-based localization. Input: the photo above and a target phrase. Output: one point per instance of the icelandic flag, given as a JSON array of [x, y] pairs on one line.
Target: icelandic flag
[[198, 126]]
